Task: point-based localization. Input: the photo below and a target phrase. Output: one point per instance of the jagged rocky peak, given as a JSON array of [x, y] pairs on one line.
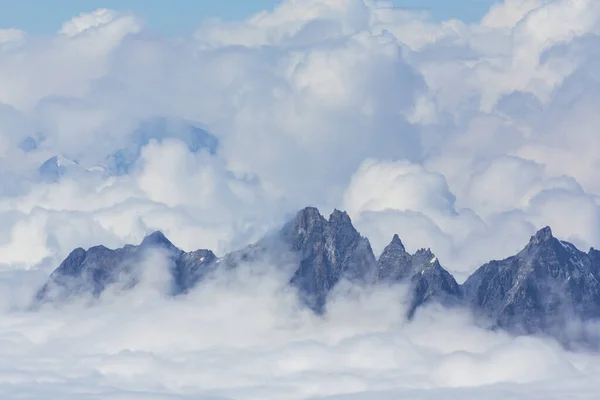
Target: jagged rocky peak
[[310, 214], [396, 243], [542, 236], [426, 256], [307, 221], [540, 288], [323, 250], [340, 219], [330, 250], [157, 239], [428, 279], [394, 263], [309, 225], [73, 261], [92, 271], [191, 267]]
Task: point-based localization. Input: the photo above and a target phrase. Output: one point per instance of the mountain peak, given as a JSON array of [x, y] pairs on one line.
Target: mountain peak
[[157, 238], [428, 279], [532, 291], [340, 218], [330, 250], [397, 242], [31, 143], [309, 213], [310, 210], [425, 253], [59, 161], [308, 218], [541, 236], [55, 167]]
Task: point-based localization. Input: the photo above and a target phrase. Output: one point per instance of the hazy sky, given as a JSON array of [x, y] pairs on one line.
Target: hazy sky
[[180, 16]]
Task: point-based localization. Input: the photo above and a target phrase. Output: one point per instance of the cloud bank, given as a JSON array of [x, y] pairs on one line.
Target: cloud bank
[[464, 138]]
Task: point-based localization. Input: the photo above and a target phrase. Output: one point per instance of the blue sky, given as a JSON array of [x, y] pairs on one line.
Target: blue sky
[[180, 16]]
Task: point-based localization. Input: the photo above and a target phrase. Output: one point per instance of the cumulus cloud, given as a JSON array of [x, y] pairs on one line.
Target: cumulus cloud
[[465, 138], [243, 335], [8, 36]]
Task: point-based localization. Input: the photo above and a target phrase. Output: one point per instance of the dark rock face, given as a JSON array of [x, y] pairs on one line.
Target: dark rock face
[[192, 267], [94, 270], [322, 252], [90, 271], [429, 281], [329, 250], [540, 289], [257, 252]]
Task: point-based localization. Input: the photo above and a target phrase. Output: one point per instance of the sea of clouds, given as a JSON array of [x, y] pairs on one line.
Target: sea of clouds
[[465, 138]]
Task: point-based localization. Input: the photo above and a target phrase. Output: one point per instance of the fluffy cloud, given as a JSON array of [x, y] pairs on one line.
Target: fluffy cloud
[[242, 336], [465, 138]]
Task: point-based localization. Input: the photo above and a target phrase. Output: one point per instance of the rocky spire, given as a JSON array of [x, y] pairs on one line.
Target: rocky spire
[[330, 250], [157, 239], [540, 288], [541, 236], [537, 290], [422, 270]]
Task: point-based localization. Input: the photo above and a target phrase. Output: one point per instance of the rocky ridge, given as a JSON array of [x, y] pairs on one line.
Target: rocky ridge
[[535, 291]]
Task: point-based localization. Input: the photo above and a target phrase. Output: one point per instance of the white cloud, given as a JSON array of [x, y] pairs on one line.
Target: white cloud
[[379, 186], [241, 337], [510, 12], [84, 22], [11, 36], [465, 138]]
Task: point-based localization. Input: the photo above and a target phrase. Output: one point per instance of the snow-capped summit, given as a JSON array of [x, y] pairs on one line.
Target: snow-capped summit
[[56, 167], [59, 166]]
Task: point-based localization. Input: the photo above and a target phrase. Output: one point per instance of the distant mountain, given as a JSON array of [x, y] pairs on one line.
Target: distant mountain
[[31, 143], [57, 167], [195, 138], [121, 161], [539, 290]]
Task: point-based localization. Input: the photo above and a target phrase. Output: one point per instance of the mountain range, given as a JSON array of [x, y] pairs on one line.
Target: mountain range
[[540, 290], [122, 160]]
